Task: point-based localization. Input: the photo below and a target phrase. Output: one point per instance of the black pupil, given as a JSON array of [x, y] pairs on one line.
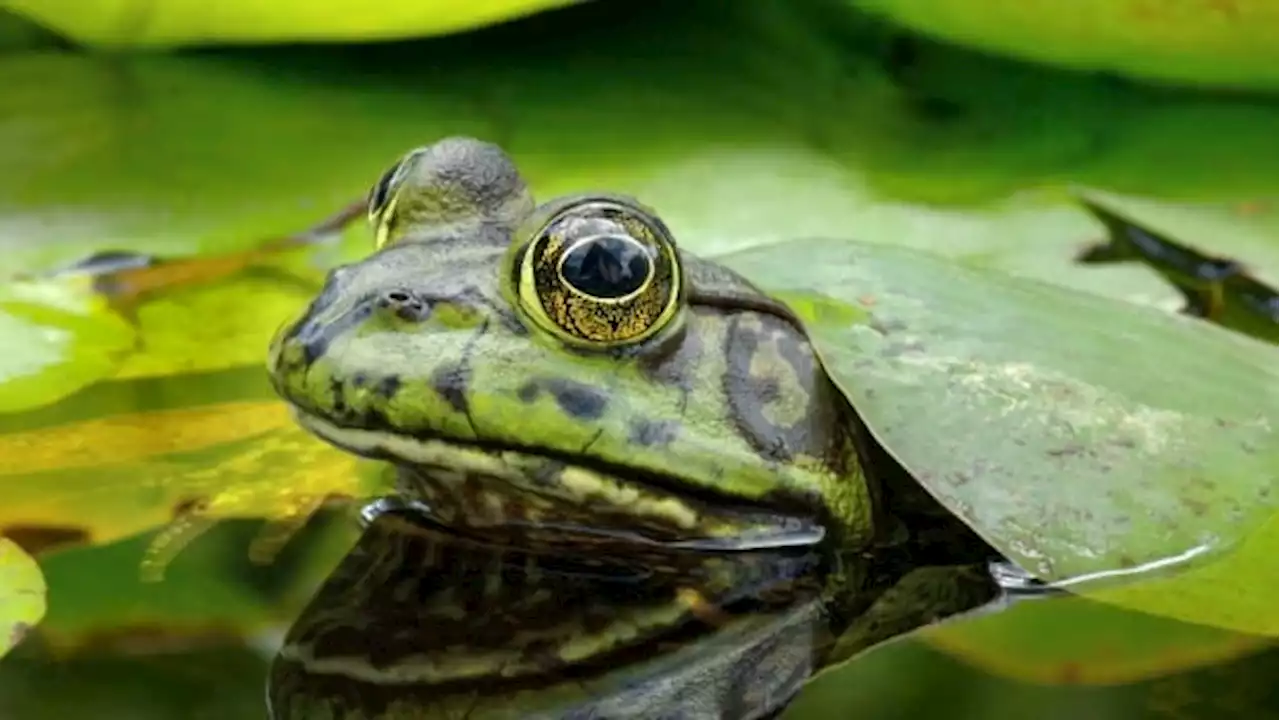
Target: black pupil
[[378, 197], [609, 266]]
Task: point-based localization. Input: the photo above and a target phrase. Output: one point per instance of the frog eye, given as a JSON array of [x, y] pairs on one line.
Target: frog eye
[[598, 272], [378, 195], [381, 199]]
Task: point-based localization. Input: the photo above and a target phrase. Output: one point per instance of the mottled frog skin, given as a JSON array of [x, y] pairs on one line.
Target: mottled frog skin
[[565, 371], [589, 426]]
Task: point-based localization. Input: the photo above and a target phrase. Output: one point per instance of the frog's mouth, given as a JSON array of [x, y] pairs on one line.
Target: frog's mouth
[[552, 499]]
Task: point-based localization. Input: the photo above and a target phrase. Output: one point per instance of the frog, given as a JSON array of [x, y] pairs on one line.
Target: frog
[[589, 379], [563, 377]]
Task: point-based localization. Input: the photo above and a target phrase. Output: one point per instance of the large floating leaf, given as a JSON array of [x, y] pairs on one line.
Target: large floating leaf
[[22, 595], [145, 23], [1229, 43], [129, 457], [744, 123], [1070, 640], [58, 338], [905, 680], [1083, 437]]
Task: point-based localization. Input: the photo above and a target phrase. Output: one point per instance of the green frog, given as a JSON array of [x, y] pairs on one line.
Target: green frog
[[564, 377], [566, 370]]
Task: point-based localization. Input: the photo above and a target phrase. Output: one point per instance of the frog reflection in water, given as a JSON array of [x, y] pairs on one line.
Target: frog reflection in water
[[561, 382]]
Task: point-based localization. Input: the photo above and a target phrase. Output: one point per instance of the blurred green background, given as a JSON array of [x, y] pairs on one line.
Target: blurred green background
[[195, 129]]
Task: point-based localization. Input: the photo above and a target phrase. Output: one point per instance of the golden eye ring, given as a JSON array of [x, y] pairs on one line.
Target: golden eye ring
[[598, 272]]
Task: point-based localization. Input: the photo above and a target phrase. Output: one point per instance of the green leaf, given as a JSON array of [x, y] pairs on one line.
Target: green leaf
[[812, 131], [1211, 43], [22, 595], [58, 339], [906, 680], [217, 682], [143, 23], [211, 592], [1071, 640], [1086, 439], [128, 457]]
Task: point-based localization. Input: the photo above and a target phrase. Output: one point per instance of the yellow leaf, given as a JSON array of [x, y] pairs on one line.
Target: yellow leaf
[[182, 22], [22, 595]]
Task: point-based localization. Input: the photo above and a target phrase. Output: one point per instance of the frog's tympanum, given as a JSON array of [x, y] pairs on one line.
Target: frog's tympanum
[[562, 381]]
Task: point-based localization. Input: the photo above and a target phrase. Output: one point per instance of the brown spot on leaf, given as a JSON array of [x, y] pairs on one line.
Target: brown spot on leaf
[[1197, 507], [1069, 673], [188, 506]]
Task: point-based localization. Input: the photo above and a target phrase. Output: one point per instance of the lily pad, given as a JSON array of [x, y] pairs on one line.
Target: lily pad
[[59, 338], [169, 23], [1071, 640], [131, 456], [889, 684], [1035, 414], [191, 154], [1212, 43], [22, 595]]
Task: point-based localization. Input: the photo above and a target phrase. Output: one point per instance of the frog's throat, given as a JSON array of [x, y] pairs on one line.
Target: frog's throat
[[550, 500]]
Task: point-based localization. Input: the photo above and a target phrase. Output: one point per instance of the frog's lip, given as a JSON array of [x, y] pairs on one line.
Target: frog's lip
[[484, 485]]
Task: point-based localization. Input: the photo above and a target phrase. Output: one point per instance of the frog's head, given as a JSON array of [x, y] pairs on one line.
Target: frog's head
[[566, 370]]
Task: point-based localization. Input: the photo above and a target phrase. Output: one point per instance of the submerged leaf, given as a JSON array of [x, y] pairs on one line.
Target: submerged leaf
[[1086, 439]]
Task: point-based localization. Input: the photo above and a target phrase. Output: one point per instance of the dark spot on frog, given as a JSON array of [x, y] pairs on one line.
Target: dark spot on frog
[[528, 392], [388, 386], [749, 392], [337, 392], [450, 382], [39, 538], [359, 380], [671, 364], [649, 433], [574, 398]]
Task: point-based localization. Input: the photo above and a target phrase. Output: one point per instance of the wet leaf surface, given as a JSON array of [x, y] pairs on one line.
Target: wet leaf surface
[[1070, 640], [1036, 414], [22, 595], [888, 684]]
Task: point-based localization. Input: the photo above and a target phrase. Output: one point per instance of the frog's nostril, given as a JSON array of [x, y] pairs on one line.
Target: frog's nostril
[[405, 304]]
